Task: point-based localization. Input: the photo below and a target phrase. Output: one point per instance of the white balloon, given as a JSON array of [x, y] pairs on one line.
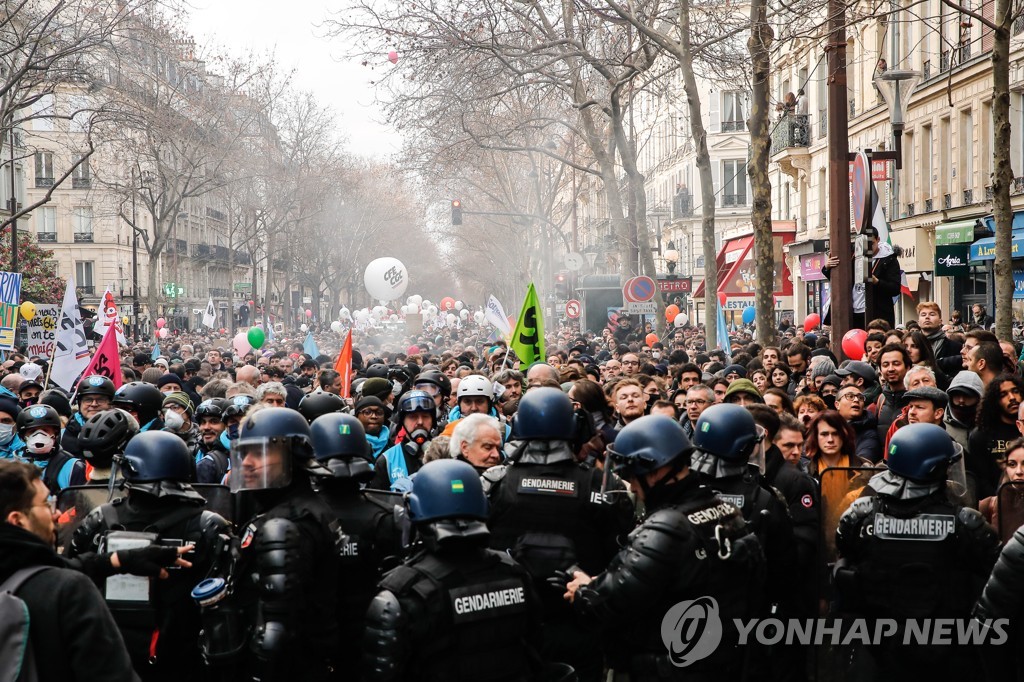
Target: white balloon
[[450, 319], [344, 314], [459, 305], [304, 327], [433, 310], [464, 314], [336, 327], [478, 316], [416, 300], [681, 320], [393, 318], [386, 278], [425, 303], [413, 308]]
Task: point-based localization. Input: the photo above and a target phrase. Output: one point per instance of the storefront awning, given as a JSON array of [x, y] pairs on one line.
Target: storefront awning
[[985, 249], [737, 273], [733, 252], [959, 232]]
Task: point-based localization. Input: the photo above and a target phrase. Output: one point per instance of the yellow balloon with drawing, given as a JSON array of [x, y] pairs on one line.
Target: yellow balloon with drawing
[[28, 310]]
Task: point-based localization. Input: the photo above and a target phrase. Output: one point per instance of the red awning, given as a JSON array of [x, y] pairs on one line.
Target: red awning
[[728, 261]]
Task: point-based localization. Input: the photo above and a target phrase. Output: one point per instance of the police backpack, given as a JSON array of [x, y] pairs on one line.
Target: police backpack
[[17, 661]]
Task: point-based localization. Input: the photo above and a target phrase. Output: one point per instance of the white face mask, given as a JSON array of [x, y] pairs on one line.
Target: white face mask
[[656, 354], [6, 433], [39, 442], [173, 420]]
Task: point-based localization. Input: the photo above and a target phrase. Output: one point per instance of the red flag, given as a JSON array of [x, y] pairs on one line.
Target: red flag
[[344, 366], [106, 362]]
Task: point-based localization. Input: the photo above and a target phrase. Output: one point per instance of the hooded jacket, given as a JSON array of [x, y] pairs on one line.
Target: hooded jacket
[[73, 635], [958, 430]]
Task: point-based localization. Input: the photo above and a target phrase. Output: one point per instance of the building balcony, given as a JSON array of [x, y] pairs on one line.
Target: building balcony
[[221, 253], [180, 246], [791, 137], [242, 258], [81, 183], [44, 182], [86, 289], [220, 293], [989, 193], [201, 251], [682, 206], [734, 200], [733, 126], [46, 237], [947, 201], [929, 205], [82, 237]]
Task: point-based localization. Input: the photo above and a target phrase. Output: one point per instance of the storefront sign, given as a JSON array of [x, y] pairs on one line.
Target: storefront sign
[[985, 249], [1018, 284], [955, 233], [951, 260], [917, 253], [810, 267]]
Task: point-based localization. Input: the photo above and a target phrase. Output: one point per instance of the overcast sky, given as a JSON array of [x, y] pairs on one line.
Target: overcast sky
[[289, 29]]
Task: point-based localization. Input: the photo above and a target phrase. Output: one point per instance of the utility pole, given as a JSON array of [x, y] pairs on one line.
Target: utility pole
[[13, 204], [838, 177]]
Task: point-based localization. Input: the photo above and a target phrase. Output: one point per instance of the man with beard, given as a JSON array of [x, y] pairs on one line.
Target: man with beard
[[997, 428], [964, 395], [417, 415], [214, 446], [630, 401], [894, 361]]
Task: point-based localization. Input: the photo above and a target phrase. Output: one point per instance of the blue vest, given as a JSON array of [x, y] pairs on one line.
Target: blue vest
[[398, 470]]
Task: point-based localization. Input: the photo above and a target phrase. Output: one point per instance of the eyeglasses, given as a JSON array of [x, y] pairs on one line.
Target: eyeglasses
[[854, 397], [631, 362], [371, 412], [697, 402], [94, 400]]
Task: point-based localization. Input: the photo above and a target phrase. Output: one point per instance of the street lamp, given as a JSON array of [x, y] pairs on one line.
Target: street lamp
[[896, 86], [671, 259]]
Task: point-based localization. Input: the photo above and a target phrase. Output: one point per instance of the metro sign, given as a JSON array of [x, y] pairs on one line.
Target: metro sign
[[683, 285]]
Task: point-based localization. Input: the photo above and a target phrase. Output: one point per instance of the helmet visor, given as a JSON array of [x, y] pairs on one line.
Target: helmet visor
[[956, 476], [430, 389], [418, 403], [757, 453], [259, 465]]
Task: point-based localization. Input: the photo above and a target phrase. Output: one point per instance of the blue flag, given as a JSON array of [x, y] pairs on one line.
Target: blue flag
[[723, 333], [309, 346], [156, 348]]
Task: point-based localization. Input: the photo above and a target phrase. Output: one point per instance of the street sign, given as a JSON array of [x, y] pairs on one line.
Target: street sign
[[573, 308], [242, 286], [682, 285], [861, 187], [641, 307], [573, 261], [638, 290], [172, 290]]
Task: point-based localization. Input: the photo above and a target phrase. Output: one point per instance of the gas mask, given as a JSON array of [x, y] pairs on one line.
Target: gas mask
[[39, 442], [173, 420], [418, 437]]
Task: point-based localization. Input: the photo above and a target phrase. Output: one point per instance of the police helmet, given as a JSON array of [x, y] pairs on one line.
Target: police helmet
[[339, 443], [435, 378], [416, 401], [446, 490], [141, 398], [921, 453], [648, 444], [105, 434], [474, 385], [214, 407], [377, 369], [36, 416], [726, 431], [318, 404], [155, 456], [544, 414], [272, 443], [96, 384], [237, 406]]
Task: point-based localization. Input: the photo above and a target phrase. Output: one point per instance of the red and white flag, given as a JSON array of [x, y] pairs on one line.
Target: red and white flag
[[106, 361]]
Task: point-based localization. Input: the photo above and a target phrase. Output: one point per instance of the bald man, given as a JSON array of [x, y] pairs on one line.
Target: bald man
[[248, 374]]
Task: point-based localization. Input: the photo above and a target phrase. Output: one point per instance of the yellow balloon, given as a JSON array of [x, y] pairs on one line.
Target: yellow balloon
[[28, 310], [124, 320]]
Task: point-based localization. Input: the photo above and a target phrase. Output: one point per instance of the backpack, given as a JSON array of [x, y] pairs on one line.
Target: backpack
[[17, 662]]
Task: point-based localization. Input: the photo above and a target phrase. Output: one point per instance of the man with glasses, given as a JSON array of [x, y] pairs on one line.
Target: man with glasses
[[850, 403], [630, 365], [611, 370], [698, 399], [95, 394]]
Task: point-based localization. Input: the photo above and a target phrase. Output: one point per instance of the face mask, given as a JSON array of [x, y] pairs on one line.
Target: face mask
[[397, 386], [173, 420], [656, 355], [6, 433], [419, 437], [39, 443], [233, 431], [29, 402]]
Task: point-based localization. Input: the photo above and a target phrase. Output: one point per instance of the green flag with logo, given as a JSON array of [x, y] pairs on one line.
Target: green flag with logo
[[528, 336]]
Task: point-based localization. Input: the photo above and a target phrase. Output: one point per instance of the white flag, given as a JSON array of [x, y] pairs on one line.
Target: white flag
[[495, 314], [107, 315], [71, 349], [210, 316]]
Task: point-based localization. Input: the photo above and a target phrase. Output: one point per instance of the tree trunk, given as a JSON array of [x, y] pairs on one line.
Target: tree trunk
[[1002, 174], [707, 187], [759, 46], [268, 284]]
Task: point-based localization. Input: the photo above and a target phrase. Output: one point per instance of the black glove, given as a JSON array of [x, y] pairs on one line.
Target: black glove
[[147, 561], [559, 579]]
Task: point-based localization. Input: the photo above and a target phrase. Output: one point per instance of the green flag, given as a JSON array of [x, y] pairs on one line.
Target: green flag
[[528, 336]]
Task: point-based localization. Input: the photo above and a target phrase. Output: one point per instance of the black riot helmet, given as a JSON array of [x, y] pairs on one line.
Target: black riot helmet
[[544, 414], [273, 444], [317, 404], [105, 435], [214, 407], [447, 504], [647, 444], [37, 416], [158, 463], [339, 443], [726, 440], [96, 384], [145, 400]]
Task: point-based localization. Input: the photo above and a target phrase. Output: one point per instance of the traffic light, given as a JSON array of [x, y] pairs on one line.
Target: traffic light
[[456, 212], [562, 284]]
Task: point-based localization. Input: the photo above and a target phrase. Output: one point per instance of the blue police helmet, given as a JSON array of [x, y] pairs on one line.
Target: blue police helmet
[[544, 414], [446, 489], [726, 431], [647, 444], [921, 453], [416, 401], [153, 456]]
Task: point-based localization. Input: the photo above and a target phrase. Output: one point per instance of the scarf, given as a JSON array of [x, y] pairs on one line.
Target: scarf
[[379, 442]]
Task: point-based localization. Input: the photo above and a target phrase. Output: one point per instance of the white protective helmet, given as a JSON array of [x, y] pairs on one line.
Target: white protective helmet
[[474, 385]]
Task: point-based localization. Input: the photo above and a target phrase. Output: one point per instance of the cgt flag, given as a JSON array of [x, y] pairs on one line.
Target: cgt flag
[[495, 314], [343, 366], [71, 349], [106, 362], [528, 337]]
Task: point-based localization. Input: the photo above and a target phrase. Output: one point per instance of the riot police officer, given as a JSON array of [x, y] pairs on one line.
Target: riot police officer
[[285, 580], [104, 436], [372, 537], [692, 547], [39, 427], [552, 512], [95, 394], [213, 454], [728, 451], [319, 403], [142, 401], [910, 549], [159, 622], [416, 417], [456, 610]]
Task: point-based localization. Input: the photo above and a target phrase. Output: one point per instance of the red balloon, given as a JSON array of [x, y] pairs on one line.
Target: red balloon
[[447, 303], [393, 57], [252, 303], [309, 313], [853, 343], [651, 339], [722, 298], [812, 321]]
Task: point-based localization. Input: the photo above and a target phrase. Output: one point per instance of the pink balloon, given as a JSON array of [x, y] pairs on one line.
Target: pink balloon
[[160, 322], [241, 344], [309, 313], [393, 57], [164, 333], [853, 343]]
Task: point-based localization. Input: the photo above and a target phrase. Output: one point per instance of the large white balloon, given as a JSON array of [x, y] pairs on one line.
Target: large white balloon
[[336, 327], [478, 316], [681, 320], [459, 305], [464, 314], [304, 327], [386, 278], [450, 319], [393, 318], [415, 300], [433, 310], [344, 314]]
